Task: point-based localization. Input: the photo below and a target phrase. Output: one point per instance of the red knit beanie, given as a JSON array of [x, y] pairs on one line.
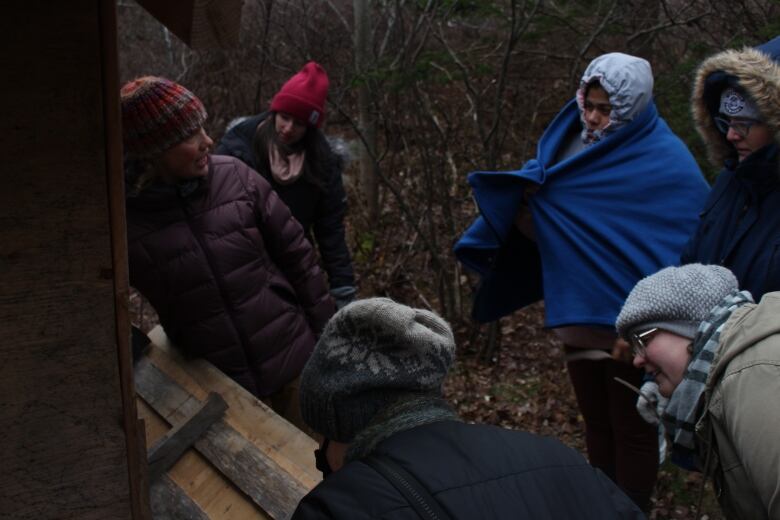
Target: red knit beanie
[[303, 96], [157, 114]]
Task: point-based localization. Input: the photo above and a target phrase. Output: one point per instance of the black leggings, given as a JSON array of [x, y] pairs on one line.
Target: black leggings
[[619, 441]]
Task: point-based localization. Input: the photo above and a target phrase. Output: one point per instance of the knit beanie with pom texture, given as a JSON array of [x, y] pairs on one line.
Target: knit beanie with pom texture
[[157, 114]]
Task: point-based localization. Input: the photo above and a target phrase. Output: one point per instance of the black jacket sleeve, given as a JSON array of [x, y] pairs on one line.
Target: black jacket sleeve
[[328, 228]]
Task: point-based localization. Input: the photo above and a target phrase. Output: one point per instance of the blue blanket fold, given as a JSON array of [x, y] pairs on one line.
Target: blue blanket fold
[[604, 218]]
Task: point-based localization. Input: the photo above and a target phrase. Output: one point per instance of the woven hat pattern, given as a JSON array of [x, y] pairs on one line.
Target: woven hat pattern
[[371, 353], [157, 114], [303, 95], [675, 298]]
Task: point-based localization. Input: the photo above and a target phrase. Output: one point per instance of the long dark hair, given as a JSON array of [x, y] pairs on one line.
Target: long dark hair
[[320, 159]]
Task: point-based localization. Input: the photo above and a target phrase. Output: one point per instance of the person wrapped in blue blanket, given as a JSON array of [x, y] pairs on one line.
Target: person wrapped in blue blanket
[[611, 197]]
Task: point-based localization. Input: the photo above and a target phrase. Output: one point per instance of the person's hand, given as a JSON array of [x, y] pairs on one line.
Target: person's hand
[[651, 404], [621, 351], [343, 295]]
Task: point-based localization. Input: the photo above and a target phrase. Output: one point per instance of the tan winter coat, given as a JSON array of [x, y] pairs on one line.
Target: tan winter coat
[[740, 429]]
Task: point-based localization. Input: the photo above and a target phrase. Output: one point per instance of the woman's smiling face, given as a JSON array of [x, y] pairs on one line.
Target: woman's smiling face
[[666, 358], [187, 160]]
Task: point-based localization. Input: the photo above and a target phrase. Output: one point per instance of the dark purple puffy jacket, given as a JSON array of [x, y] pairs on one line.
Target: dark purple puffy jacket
[[230, 274]]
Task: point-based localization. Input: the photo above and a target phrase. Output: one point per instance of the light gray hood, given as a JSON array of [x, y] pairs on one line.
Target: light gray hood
[[627, 80]]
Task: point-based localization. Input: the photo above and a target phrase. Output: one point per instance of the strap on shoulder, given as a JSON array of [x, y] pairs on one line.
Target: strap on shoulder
[[410, 488]]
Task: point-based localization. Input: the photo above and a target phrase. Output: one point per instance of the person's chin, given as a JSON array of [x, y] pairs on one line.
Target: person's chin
[[665, 387], [201, 170]]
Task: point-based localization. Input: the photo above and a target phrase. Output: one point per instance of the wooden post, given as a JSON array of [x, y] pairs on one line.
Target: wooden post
[[138, 486]]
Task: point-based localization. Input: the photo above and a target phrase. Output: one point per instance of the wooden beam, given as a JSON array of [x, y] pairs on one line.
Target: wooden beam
[[200, 24], [252, 471], [167, 450], [119, 264], [175, 16], [215, 495], [169, 501], [286, 444], [142, 485]]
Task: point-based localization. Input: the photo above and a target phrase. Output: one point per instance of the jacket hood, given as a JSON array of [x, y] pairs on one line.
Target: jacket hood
[[746, 327], [757, 71], [627, 80]]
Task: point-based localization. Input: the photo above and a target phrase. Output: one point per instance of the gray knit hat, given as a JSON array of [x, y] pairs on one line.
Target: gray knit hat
[[734, 102], [676, 299], [372, 353]]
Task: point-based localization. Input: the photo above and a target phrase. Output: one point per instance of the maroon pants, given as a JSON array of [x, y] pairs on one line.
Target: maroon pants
[[619, 441]]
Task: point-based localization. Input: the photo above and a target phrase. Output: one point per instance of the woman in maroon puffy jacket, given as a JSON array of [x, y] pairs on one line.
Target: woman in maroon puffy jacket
[[214, 250]]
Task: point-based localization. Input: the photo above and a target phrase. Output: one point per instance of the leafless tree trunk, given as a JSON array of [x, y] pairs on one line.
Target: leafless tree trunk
[[367, 122]]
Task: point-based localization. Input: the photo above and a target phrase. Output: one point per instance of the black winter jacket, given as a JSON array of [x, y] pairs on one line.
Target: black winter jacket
[[320, 212], [740, 224], [474, 472]]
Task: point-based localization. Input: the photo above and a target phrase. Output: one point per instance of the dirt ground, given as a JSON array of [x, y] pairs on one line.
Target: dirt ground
[[523, 385]]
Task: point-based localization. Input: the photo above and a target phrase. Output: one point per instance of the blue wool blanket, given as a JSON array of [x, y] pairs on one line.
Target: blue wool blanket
[[604, 218]]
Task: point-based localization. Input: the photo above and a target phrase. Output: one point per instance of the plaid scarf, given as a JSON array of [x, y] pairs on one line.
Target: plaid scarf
[[680, 415]]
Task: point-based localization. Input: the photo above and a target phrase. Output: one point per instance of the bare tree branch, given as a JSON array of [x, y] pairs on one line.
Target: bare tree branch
[[585, 48]]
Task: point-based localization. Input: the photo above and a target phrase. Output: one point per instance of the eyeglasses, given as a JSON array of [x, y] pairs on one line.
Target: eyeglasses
[[639, 341], [740, 126]]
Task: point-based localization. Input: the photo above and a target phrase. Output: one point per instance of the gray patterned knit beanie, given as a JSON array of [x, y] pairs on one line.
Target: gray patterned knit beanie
[[676, 299], [372, 353]]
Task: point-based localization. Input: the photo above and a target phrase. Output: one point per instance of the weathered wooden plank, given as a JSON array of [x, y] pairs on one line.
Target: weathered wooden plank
[[142, 476], [249, 468], [112, 117], [173, 444], [170, 502], [201, 25], [287, 445], [199, 479]]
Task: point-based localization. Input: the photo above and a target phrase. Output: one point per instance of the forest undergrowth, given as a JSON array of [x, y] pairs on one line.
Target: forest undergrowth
[[452, 87]]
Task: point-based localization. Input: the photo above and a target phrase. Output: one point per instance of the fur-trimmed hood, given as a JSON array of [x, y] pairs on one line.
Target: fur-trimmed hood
[[757, 71]]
